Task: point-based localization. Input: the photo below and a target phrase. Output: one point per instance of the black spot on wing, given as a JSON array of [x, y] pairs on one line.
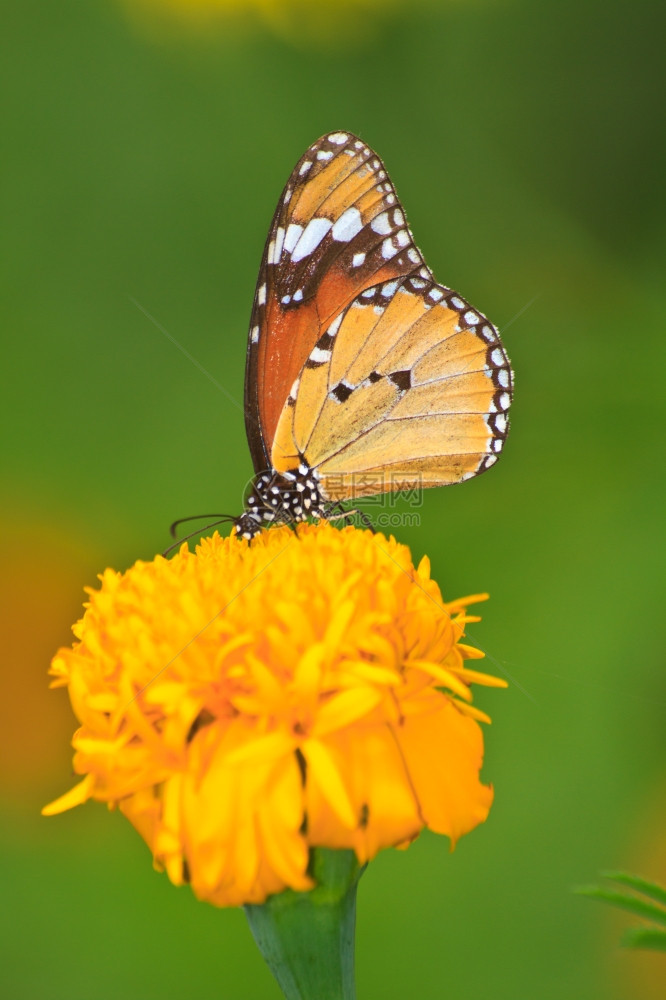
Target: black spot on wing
[[342, 392], [326, 341], [402, 379]]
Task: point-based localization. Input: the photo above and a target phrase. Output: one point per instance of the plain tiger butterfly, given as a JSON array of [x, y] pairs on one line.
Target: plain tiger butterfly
[[364, 375]]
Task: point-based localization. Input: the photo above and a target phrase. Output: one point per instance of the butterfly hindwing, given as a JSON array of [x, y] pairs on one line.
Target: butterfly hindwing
[[337, 231], [409, 386]]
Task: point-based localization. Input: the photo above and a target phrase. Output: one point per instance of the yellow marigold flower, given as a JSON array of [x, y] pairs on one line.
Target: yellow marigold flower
[[247, 702]]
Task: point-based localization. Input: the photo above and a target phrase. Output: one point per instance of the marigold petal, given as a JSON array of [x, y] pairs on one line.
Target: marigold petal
[[280, 820], [443, 753], [91, 745], [263, 749], [423, 568], [470, 652], [486, 680], [323, 771], [472, 711], [143, 810], [462, 603], [308, 672], [344, 709], [362, 670], [381, 793], [74, 797], [443, 677], [339, 624]]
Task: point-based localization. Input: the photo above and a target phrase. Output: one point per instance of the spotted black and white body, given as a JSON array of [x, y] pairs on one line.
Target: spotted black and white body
[[282, 499]]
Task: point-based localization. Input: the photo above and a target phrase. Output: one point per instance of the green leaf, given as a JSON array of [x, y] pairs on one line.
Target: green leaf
[[650, 889], [631, 903], [645, 937]]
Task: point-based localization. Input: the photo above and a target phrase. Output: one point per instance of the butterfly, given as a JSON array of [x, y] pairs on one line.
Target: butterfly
[[364, 375]]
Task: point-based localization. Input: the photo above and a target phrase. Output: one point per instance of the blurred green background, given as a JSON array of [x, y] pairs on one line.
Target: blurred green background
[[143, 157]]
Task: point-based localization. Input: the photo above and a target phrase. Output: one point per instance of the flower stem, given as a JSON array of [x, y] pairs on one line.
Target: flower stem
[[307, 938]]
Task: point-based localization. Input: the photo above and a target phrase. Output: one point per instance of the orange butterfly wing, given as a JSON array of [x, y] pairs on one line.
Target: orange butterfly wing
[[338, 230], [408, 387]]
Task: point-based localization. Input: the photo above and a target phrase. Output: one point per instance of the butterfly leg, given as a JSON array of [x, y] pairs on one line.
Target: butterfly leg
[[365, 520], [338, 512]]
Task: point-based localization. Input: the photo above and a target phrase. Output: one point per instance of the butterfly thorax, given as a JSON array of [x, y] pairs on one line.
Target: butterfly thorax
[[281, 498]]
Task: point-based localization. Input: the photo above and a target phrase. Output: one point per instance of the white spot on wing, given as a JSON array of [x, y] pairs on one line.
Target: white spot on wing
[[347, 226], [254, 336], [319, 355], [324, 154], [261, 295], [389, 289], [497, 356], [279, 241], [381, 224], [358, 259], [503, 378], [338, 138], [388, 250], [335, 325], [436, 294], [298, 295], [291, 239], [305, 167], [312, 236]]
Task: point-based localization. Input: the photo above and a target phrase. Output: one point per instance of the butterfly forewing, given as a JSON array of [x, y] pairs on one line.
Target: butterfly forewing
[[337, 231]]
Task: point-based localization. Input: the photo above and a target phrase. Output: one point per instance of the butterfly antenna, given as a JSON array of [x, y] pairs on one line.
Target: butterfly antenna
[[199, 531], [197, 517]]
